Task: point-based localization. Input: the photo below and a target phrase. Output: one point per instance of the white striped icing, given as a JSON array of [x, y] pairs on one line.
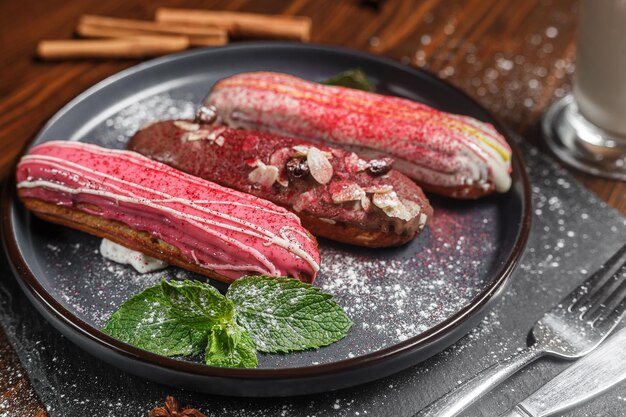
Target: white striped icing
[[201, 222]]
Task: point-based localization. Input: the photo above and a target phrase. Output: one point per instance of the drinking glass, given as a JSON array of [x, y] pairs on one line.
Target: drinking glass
[[587, 129]]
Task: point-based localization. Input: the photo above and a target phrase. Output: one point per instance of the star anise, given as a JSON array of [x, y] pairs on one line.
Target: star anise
[[172, 409]]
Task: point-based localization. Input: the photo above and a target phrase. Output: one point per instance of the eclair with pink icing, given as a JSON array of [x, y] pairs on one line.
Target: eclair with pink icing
[[449, 154], [152, 208], [336, 194]]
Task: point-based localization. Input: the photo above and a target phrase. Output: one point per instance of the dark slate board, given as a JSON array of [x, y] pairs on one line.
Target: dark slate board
[[573, 233]]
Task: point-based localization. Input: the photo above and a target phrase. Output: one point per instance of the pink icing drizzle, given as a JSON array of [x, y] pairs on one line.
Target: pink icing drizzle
[[217, 228]]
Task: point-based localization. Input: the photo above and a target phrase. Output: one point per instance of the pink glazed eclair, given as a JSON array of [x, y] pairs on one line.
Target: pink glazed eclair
[[448, 154], [152, 208]]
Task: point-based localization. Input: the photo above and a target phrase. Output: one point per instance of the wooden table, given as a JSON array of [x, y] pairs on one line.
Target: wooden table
[[514, 57]]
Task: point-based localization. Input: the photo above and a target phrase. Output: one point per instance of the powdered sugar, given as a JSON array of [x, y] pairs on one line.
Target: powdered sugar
[[116, 130], [391, 295]]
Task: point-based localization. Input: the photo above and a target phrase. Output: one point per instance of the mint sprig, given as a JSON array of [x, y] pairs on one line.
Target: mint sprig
[[197, 305], [231, 346], [186, 318], [284, 314], [354, 78], [147, 320]]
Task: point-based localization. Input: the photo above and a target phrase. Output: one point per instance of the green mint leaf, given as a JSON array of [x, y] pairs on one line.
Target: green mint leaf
[[354, 78], [284, 314], [146, 320], [197, 305], [231, 346]]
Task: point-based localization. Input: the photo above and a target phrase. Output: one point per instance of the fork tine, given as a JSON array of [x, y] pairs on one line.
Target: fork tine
[[615, 316], [582, 296], [606, 295], [615, 305]]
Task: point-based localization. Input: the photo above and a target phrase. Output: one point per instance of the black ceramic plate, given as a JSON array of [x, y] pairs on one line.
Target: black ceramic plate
[[407, 303]]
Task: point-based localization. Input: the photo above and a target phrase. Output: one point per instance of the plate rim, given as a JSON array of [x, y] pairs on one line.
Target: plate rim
[[22, 270]]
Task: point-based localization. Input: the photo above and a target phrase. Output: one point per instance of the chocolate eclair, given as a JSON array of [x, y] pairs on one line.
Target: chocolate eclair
[[337, 194]]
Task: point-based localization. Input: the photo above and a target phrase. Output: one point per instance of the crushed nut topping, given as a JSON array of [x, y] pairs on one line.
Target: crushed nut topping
[[194, 136], [379, 189], [279, 158], [354, 163], [382, 196], [191, 127], [422, 220], [302, 150], [303, 201], [351, 192], [213, 136], [319, 166], [391, 204], [264, 175]]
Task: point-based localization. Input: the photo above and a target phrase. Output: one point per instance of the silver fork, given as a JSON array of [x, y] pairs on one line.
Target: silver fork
[[572, 329]]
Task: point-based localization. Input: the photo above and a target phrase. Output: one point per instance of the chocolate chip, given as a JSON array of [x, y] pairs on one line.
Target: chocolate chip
[[206, 114], [378, 167], [297, 167]]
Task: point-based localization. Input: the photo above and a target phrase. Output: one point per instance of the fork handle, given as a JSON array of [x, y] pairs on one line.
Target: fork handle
[[461, 397]]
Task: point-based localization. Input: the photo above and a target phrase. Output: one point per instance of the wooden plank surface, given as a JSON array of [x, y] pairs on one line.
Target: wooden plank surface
[[513, 57]]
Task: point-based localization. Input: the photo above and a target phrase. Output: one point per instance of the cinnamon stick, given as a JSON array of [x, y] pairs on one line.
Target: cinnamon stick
[[131, 47], [241, 25], [110, 27]]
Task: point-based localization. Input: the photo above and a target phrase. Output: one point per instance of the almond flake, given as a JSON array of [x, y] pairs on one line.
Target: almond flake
[[379, 189], [354, 163], [301, 150], [194, 136], [365, 203], [352, 192], [414, 209], [264, 175], [422, 220], [393, 207], [186, 125], [319, 166], [303, 201]]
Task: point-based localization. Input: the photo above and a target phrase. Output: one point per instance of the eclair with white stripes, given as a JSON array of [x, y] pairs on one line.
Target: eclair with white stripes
[[449, 154], [150, 207]]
